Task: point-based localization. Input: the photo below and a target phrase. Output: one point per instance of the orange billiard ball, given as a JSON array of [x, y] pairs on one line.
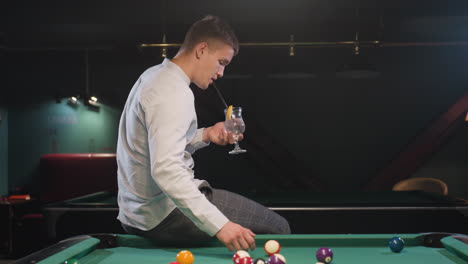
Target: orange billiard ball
[[185, 257]]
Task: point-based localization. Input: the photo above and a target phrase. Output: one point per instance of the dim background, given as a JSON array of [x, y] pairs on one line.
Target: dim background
[[307, 128]]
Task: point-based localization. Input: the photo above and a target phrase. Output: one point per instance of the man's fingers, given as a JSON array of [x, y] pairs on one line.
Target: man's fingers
[[229, 138], [252, 244], [236, 245], [250, 239], [244, 244], [230, 247]]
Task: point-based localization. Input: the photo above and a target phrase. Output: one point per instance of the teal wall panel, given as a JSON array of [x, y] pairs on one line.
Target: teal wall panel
[[50, 127], [3, 151]]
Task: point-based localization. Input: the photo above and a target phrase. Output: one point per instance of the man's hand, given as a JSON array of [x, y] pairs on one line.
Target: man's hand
[[218, 135], [236, 237]]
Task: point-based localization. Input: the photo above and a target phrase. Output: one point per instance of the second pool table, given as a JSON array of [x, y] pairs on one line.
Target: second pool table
[[331, 213]]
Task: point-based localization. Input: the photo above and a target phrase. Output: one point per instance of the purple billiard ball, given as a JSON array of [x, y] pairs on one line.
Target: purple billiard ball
[[324, 255], [277, 259]]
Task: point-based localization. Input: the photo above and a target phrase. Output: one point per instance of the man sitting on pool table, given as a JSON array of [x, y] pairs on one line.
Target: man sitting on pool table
[[158, 195]]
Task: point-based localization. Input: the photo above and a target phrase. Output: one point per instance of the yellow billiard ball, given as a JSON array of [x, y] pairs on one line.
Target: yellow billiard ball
[[185, 257]]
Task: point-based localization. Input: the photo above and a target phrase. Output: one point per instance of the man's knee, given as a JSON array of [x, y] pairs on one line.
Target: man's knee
[[283, 226]]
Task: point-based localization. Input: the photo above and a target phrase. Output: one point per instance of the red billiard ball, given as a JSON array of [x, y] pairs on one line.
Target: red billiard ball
[[185, 257], [324, 255], [244, 260], [239, 254], [272, 247]]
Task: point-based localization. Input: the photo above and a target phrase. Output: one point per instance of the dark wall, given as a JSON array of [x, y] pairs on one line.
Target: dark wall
[[3, 151], [306, 127], [326, 133], [450, 163]]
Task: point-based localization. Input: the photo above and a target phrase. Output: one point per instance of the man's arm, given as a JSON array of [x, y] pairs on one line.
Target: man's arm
[[167, 128], [167, 122]]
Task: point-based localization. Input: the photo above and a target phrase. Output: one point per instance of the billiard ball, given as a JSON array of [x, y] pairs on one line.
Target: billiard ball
[[239, 254], [324, 255], [72, 261], [259, 261], [272, 247], [244, 260], [396, 244], [185, 257], [277, 259]]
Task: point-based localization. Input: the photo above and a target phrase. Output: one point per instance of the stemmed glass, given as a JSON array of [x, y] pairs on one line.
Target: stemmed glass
[[235, 124]]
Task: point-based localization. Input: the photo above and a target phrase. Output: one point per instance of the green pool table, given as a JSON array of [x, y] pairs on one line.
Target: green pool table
[[427, 248]]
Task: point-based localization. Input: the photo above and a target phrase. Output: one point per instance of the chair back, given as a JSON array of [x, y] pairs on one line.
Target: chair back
[[422, 184]]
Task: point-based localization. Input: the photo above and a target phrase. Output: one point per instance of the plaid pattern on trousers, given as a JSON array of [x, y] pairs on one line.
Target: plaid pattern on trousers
[[178, 230]]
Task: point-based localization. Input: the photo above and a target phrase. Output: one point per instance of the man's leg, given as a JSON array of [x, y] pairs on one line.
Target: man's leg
[[178, 230], [175, 230], [248, 213]]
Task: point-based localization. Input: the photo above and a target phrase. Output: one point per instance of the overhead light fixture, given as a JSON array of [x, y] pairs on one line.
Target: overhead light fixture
[[89, 100], [291, 46], [92, 100], [357, 67], [164, 49], [73, 100]]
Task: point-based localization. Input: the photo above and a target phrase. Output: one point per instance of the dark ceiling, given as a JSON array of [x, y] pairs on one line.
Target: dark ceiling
[[105, 24]]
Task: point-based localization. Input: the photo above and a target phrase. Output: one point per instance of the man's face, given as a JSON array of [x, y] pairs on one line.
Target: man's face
[[213, 60]]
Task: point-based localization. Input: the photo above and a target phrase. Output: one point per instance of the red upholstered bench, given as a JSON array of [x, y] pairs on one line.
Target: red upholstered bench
[[65, 176]]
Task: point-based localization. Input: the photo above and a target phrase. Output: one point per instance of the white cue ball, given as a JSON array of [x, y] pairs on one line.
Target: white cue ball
[[272, 247]]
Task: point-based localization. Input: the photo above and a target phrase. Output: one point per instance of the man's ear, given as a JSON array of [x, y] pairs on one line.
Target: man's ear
[[201, 49]]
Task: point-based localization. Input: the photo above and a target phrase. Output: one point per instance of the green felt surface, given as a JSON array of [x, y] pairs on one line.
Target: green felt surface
[[298, 249]]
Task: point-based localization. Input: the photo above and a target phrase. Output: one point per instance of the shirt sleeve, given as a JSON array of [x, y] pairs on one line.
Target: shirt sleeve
[[197, 142], [167, 123]]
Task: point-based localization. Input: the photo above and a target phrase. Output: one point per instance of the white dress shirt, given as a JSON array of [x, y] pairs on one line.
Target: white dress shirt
[[157, 135]]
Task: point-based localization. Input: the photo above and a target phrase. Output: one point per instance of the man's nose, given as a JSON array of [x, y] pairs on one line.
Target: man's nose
[[220, 73]]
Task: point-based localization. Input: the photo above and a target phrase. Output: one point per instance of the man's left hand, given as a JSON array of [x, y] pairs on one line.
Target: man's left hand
[[218, 135]]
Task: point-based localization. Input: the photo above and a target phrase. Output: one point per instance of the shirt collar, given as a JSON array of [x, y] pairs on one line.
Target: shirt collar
[[176, 69]]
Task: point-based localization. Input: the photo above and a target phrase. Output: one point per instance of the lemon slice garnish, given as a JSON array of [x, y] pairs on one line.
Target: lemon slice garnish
[[229, 113]]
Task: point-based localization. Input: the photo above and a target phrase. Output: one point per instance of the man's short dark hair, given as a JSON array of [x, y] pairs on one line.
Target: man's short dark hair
[[210, 28]]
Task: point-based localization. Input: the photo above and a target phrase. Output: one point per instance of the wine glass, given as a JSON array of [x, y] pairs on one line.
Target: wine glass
[[235, 124]]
